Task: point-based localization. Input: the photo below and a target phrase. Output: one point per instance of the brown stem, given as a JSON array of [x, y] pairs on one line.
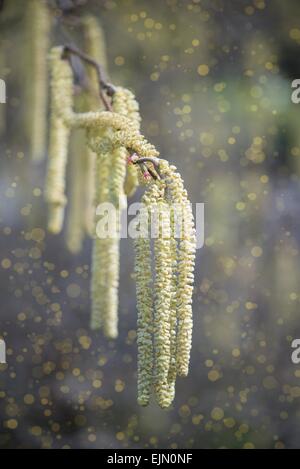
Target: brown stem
[[105, 88], [148, 159], [152, 173]]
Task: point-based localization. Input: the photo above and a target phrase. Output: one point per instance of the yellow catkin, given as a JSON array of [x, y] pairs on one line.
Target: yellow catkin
[[118, 200], [38, 23], [134, 141], [185, 290], [74, 231], [186, 258], [99, 250], [61, 99], [105, 264], [106, 251], [125, 104], [173, 309], [163, 293], [105, 258], [145, 300], [104, 287], [131, 180]]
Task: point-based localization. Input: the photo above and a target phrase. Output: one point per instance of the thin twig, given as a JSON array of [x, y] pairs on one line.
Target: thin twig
[[104, 86], [148, 159], [154, 160], [152, 173], [107, 89]]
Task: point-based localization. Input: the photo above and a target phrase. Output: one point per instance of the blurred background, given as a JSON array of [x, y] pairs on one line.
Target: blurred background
[[213, 79]]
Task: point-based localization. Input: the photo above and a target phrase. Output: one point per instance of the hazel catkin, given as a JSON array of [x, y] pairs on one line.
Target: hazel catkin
[[125, 104], [185, 268], [144, 295], [163, 294], [61, 98]]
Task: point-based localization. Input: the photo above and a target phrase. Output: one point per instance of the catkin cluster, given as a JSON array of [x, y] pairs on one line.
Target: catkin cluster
[[109, 136], [119, 158], [61, 104], [164, 296], [126, 105]]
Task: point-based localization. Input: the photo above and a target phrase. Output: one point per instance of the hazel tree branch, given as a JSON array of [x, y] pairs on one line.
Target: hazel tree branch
[[106, 90]]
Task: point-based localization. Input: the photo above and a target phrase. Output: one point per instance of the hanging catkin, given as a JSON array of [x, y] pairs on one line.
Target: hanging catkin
[[38, 23], [100, 244], [173, 304], [118, 199], [110, 175], [105, 264], [145, 300], [105, 256], [163, 293], [186, 256], [185, 290], [61, 102]]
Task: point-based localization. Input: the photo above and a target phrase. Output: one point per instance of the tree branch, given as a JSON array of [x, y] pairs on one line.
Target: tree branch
[[146, 159], [105, 88]]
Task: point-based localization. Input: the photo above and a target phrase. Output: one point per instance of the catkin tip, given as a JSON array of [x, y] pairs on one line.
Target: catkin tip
[[55, 219]]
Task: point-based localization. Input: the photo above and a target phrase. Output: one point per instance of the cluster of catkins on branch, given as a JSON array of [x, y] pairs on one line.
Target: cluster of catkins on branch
[[119, 158], [164, 304]]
